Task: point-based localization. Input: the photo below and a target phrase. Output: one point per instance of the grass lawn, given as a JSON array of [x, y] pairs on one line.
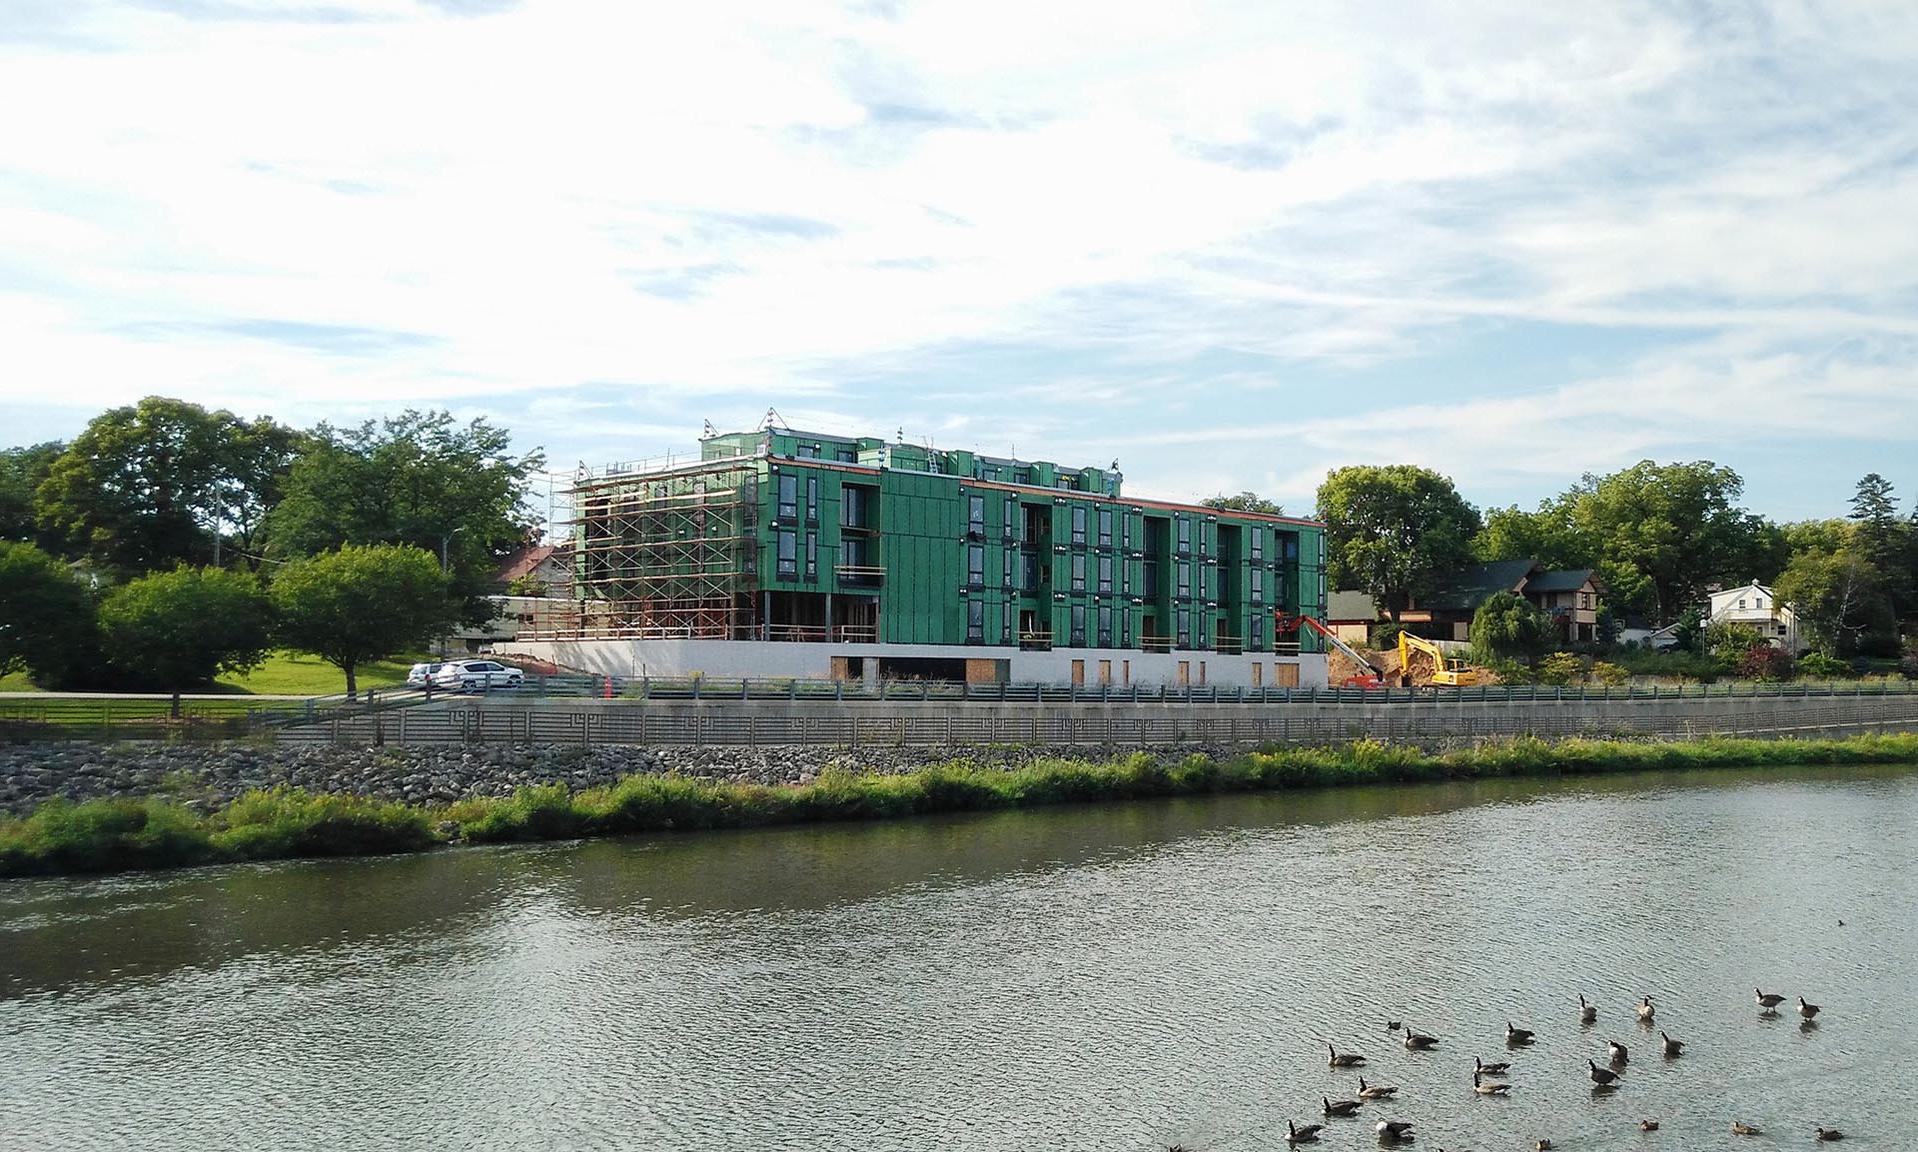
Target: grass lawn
[[17, 682], [299, 674]]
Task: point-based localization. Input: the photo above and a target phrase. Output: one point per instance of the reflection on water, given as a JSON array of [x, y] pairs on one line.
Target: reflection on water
[[1102, 977]]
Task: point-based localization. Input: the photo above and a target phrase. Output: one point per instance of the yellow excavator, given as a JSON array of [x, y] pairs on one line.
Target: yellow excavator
[[1447, 671]]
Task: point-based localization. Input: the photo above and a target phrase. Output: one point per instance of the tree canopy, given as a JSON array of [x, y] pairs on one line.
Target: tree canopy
[[1244, 502], [362, 603], [46, 614], [1511, 626], [1390, 529], [180, 629], [22, 470]]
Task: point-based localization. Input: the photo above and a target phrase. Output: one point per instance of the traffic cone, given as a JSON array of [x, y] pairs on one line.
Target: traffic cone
[[608, 694]]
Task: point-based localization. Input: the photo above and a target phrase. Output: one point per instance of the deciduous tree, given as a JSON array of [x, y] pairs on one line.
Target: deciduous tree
[[1244, 502], [1391, 529], [46, 614], [361, 604], [180, 629], [1511, 626]]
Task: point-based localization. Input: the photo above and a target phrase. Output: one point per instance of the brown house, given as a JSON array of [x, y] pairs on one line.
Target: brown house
[[1568, 596]]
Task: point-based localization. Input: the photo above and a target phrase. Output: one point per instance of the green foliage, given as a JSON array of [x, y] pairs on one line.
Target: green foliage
[[46, 614], [1545, 535], [150, 486], [420, 479], [22, 470], [1689, 635], [1841, 598], [1390, 530], [1511, 626], [1765, 662], [1608, 674], [283, 822], [362, 604], [527, 585], [179, 629], [1244, 502], [1728, 642], [1819, 666], [1679, 664], [1385, 635], [1559, 669], [102, 836]]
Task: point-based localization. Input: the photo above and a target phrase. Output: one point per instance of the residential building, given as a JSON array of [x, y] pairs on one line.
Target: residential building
[[786, 553], [1350, 616], [1569, 596], [1754, 606]]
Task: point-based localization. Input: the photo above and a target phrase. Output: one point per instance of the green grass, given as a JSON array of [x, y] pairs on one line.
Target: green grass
[[298, 674], [112, 835], [18, 682]]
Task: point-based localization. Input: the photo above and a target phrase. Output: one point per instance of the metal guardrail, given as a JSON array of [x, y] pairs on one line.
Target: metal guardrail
[[499, 722]]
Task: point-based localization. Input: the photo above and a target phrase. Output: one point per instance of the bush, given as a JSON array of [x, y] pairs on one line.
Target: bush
[[1510, 625], [179, 629], [283, 822], [1765, 662], [1820, 666], [1560, 668], [1610, 675]]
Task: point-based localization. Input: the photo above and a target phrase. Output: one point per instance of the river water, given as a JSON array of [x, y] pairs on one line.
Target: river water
[[1110, 977]]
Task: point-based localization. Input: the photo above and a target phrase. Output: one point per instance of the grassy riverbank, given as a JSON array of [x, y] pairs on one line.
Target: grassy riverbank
[[115, 835]]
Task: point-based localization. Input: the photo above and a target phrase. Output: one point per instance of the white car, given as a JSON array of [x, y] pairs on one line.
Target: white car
[[419, 674], [476, 676]]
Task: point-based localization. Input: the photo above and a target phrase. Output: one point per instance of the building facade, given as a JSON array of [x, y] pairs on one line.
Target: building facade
[[780, 553], [1757, 608]]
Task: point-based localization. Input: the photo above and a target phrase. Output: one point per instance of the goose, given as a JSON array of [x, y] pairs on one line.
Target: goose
[[1393, 1025], [1376, 1091], [1483, 1089], [1830, 1133], [1648, 1125], [1339, 1107], [1602, 1076], [1739, 1128], [1806, 1010], [1587, 1011], [1618, 1052], [1337, 1059], [1392, 1130], [1517, 1035], [1498, 1069], [1673, 1047], [1645, 1010], [1543, 1146], [1769, 1001], [1417, 1041], [1297, 1135]]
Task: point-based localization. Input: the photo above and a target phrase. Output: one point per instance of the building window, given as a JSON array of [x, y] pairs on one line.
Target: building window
[[1125, 531], [1741, 603], [1185, 580], [976, 516], [1125, 578], [1012, 519], [1151, 589], [976, 566], [1183, 630], [1006, 580], [1205, 538], [788, 498], [846, 455], [975, 622], [1030, 576], [1105, 575], [1022, 475], [788, 551], [1105, 527], [1078, 626], [1258, 586], [1257, 633], [1079, 524], [1185, 534], [1105, 627], [1258, 544], [812, 555], [1078, 571], [1125, 630], [1005, 623], [812, 499], [853, 508], [809, 451]]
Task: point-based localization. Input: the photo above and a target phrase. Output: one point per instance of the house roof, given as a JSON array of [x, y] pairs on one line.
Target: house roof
[[1563, 580], [1467, 588], [1349, 606], [525, 562]]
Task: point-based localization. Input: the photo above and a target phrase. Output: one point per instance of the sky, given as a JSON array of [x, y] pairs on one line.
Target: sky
[[1230, 245]]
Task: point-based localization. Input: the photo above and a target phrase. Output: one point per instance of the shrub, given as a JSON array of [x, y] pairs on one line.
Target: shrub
[[1559, 668], [285, 822], [1608, 674], [1512, 626], [1821, 666], [1765, 662]]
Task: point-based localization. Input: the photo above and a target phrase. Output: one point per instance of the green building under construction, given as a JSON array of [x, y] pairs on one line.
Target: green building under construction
[[785, 553]]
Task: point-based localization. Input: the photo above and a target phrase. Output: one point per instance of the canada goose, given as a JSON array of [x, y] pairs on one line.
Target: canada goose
[[1483, 1089], [1806, 1010], [1830, 1133], [1339, 1107], [1376, 1091], [1645, 1010], [1587, 1011], [1337, 1059], [1739, 1128], [1394, 1129], [1617, 1052], [1297, 1135], [1393, 1025], [1769, 1001], [1602, 1076], [1498, 1069], [1417, 1041], [1543, 1146], [1517, 1035], [1673, 1047], [1648, 1125]]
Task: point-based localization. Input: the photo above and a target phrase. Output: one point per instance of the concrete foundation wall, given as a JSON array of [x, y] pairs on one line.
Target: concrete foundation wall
[[737, 658]]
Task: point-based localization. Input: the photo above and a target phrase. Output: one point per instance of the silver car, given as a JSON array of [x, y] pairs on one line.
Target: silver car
[[476, 676], [419, 674]]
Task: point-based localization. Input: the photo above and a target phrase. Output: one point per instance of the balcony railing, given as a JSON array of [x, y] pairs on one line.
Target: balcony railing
[[862, 574], [1156, 643], [1035, 641], [819, 634]]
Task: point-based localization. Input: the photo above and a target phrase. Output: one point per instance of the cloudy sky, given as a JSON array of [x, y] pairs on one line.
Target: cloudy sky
[[1230, 244]]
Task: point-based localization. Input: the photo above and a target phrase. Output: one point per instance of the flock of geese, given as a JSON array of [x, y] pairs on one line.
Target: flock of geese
[[1492, 1079]]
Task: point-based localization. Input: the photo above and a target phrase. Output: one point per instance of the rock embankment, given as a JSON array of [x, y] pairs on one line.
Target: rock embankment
[[210, 775]]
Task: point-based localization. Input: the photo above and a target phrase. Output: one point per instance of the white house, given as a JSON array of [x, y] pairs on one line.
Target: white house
[[1754, 605]]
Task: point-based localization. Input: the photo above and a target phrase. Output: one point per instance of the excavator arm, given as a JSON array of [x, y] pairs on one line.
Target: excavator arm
[[1445, 670], [1372, 677]]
